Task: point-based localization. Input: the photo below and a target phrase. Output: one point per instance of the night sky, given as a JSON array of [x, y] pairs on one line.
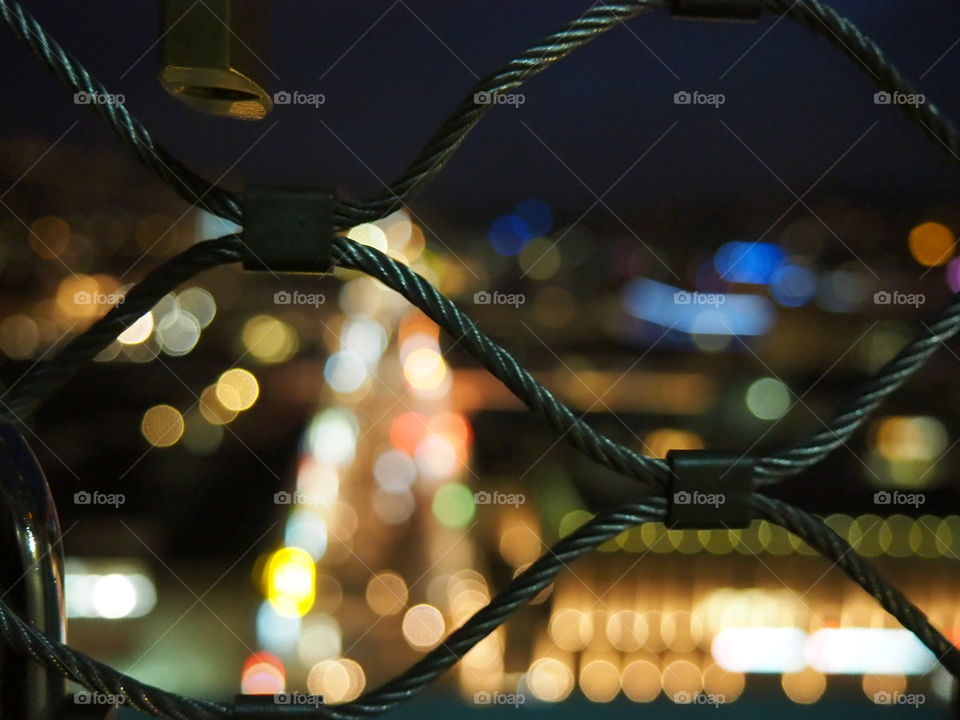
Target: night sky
[[793, 99]]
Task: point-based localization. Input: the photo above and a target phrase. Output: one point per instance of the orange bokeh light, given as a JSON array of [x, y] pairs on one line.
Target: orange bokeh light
[[407, 431]]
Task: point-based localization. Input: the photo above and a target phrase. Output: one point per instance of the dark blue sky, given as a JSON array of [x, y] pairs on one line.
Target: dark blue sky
[[793, 99]]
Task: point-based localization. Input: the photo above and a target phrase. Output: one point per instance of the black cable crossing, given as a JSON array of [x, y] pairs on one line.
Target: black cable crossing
[[22, 400]]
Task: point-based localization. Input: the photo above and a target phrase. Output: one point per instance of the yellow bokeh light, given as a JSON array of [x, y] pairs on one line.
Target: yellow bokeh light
[[424, 369], [720, 682], [659, 442], [804, 687], [600, 680], [78, 296], [162, 426], [540, 258], [549, 680], [386, 593], [338, 681], [290, 581], [682, 681], [932, 244], [641, 681], [369, 234], [269, 339], [906, 438], [423, 626], [137, 332], [49, 236], [570, 629], [213, 410], [237, 389]]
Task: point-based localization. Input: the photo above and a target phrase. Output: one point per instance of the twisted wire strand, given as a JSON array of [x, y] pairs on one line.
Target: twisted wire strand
[[46, 377], [499, 362], [820, 18], [197, 191], [448, 138], [865, 53], [418, 290], [869, 396], [597, 20], [42, 380], [821, 538], [96, 676], [603, 527], [193, 188], [601, 448]]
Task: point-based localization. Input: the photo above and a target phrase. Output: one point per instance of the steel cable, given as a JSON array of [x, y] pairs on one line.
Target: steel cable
[[47, 376], [603, 527]]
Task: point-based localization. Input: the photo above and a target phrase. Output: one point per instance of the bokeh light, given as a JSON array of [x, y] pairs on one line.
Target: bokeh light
[[768, 399], [386, 593], [162, 425], [932, 244], [423, 626], [289, 576], [237, 389], [453, 505]]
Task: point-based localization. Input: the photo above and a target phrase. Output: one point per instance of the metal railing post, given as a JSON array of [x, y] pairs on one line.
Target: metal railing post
[[31, 578]]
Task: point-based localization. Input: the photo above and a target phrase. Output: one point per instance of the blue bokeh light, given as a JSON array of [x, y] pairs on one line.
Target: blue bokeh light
[[509, 234], [699, 313], [748, 262], [793, 285], [536, 215]]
